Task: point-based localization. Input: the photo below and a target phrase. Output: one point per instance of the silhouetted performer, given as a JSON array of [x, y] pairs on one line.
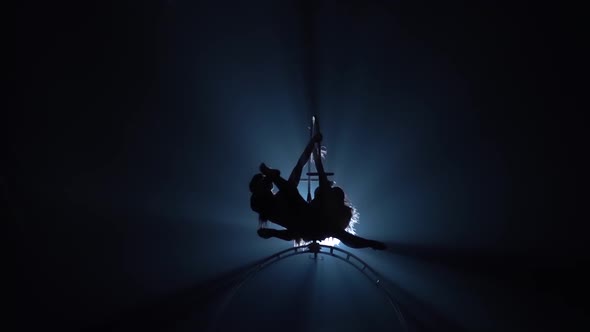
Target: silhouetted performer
[[327, 215]]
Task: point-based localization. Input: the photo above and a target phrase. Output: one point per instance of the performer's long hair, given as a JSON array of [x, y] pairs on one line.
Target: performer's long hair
[[354, 218]]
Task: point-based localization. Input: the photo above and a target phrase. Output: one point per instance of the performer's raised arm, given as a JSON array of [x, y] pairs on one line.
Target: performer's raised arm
[[295, 176]]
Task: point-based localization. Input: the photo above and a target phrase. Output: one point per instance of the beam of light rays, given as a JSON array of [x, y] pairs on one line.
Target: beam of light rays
[[430, 290], [310, 73], [487, 264], [308, 278]]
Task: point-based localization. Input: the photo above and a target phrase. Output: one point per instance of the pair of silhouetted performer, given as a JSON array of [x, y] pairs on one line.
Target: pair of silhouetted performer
[[327, 215]]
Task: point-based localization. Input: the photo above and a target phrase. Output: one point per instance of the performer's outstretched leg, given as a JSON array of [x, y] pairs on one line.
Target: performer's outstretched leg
[[285, 234], [355, 241]]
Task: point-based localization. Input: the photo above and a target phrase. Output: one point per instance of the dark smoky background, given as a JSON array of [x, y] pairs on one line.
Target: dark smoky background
[[456, 130]]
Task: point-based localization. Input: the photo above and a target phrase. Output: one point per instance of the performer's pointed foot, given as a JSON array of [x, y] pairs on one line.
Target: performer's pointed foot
[[269, 171]]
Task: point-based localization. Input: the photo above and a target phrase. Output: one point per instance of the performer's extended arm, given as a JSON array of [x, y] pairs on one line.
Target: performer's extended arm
[[355, 241], [285, 234]]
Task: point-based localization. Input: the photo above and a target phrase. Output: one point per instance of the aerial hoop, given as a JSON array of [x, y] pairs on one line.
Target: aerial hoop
[[316, 249]]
